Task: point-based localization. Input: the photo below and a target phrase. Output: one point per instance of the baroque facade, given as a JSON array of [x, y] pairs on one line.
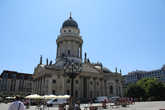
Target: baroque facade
[[93, 80]]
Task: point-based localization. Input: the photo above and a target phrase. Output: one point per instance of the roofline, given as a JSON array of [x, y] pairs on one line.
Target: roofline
[[11, 72]]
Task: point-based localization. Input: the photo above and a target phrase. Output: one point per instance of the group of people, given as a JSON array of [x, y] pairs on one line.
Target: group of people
[[17, 104], [126, 100]]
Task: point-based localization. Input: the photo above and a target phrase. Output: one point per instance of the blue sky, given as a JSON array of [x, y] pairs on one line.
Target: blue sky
[[128, 34]]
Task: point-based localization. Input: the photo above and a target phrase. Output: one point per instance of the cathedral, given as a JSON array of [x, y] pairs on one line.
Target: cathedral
[[91, 79]]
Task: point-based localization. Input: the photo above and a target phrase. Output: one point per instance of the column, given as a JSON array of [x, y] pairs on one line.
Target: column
[[64, 85], [81, 86], [57, 53], [88, 90], [101, 86], [81, 51], [94, 85]]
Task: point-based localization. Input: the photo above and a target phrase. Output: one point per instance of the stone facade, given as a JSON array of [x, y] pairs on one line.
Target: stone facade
[[93, 80], [14, 83]]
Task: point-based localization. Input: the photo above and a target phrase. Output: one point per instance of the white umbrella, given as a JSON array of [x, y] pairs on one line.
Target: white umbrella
[[67, 96], [63, 96], [34, 96], [10, 97], [49, 96]]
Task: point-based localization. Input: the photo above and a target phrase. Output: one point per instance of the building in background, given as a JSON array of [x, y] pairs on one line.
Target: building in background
[[14, 83], [134, 76], [93, 80]]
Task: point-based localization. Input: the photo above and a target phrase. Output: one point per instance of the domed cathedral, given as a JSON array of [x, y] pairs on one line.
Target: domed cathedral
[[69, 42], [91, 80]]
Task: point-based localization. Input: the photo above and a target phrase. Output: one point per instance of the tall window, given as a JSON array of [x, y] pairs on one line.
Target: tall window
[[111, 89], [97, 93], [91, 94], [119, 92], [76, 93], [69, 52], [54, 81], [97, 83], [68, 81], [79, 51], [68, 92], [76, 81], [54, 92], [91, 82]]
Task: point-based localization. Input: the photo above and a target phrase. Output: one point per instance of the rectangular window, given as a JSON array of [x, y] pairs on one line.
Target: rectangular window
[[54, 81]]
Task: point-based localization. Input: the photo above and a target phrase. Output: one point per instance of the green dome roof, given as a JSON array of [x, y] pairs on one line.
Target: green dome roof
[[70, 23]]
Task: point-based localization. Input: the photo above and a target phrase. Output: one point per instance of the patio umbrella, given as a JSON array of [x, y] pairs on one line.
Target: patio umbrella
[[34, 96], [63, 96], [49, 96], [10, 97]]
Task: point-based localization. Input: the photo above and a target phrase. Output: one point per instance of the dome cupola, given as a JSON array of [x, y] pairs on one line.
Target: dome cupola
[[69, 42], [70, 23]]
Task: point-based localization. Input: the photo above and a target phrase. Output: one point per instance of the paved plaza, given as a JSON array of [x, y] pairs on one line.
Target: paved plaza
[[138, 106]]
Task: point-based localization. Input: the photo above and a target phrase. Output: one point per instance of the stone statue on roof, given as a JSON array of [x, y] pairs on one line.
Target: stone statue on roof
[[40, 59]]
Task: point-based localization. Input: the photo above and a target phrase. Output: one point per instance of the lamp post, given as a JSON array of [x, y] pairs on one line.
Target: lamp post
[[72, 69]]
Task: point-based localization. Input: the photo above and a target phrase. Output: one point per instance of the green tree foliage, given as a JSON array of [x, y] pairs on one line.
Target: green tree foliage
[[135, 90], [148, 89], [156, 91], [146, 84]]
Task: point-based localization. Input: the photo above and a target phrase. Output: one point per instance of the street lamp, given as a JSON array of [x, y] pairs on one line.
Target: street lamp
[[72, 69]]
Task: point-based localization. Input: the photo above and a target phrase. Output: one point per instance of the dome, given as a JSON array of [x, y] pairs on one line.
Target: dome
[[106, 70], [70, 23]]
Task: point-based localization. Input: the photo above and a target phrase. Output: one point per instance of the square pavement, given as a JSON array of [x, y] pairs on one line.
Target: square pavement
[[155, 105]]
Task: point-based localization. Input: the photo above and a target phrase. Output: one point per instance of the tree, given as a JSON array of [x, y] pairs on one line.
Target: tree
[[135, 91], [154, 89]]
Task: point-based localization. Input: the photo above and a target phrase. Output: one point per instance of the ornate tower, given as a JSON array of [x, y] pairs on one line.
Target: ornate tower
[[69, 42]]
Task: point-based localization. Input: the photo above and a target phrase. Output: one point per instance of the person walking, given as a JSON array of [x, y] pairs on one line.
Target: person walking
[[17, 104]]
